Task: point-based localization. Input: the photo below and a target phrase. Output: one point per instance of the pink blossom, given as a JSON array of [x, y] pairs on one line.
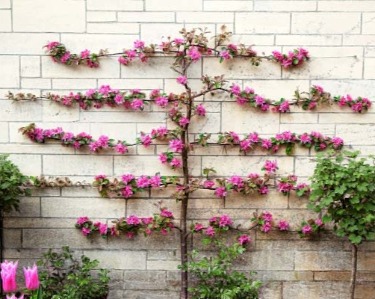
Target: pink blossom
[[181, 80], [120, 148], [245, 145], [138, 44], [127, 178], [127, 191], [283, 225], [176, 145], [85, 54], [200, 110], [284, 187], [123, 60], [105, 89], [198, 227], [236, 181], [318, 88], [103, 141], [306, 229], [337, 142], [266, 143], [176, 163], [155, 181], [225, 220], [263, 190], [146, 140], [210, 231], [221, 192], [65, 58], [164, 232], [137, 104], [194, 53], [119, 99], [184, 121], [305, 138], [86, 231], [163, 158], [166, 213], [147, 220], [266, 227], [208, 184], [94, 146], [259, 100], [133, 220], [244, 239], [161, 101], [284, 107], [103, 229], [278, 56], [232, 47], [82, 220], [319, 222], [235, 89], [270, 166], [130, 235], [267, 216], [178, 41], [131, 54], [235, 137], [225, 55], [143, 182], [240, 100], [52, 45]]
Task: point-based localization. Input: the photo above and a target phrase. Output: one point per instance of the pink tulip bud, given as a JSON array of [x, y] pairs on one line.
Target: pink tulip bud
[[8, 276], [31, 277]]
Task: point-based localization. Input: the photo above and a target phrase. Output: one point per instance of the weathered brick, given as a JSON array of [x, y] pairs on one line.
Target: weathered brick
[[4, 132], [366, 261], [206, 17], [141, 280], [39, 16], [119, 259], [128, 28], [12, 238], [101, 16], [285, 5], [36, 83], [227, 6], [346, 5], [325, 23], [28, 164], [369, 67], [322, 260], [307, 40], [262, 23], [356, 134], [146, 17], [29, 207], [170, 5], [30, 66], [14, 43], [115, 5]]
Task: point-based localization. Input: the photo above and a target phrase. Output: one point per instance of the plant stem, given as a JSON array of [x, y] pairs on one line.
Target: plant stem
[[354, 270]]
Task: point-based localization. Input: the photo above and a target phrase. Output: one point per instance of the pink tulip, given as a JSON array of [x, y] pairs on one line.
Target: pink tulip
[[8, 276], [14, 297], [31, 278]]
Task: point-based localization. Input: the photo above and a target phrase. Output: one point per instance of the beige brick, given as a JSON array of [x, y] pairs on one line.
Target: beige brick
[[346, 6], [170, 5], [241, 69], [276, 89], [262, 23], [72, 165], [204, 17], [322, 260], [39, 16], [244, 165], [38, 223], [345, 118], [332, 276], [325, 68], [366, 261], [28, 164], [284, 275], [285, 6], [5, 4], [119, 259], [9, 71], [357, 40], [122, 116], [363, 88], [298, 118], [115, 5], [129, 294], [369, 68], [109, 68], [163, 265], [253, 39], [305, 166], [128, 28], [306, 128], [29, 207], [70, 84], [150, 165], [266, 260], [316, 290], [356, 134], [364, 291], [145, 84], [4, 132], [370, 52], [36, 83], [12, 238], [301, 246], [247, 120], [146, 17], [228, 6], [368, 22], [6, 21], [141, 280], [101, 16], [30, 66], [272, 200], [325, 23], [76, 207], [307, 40], [58, 113], [14, 43], [272, 290], [116, 131], [56, 238]]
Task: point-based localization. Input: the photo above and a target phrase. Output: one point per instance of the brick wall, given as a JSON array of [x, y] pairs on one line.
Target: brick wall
[[333, 31]]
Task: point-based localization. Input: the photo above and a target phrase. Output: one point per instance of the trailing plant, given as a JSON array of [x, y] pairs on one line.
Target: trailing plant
[[343, 190], [12, 185], [63, 276]]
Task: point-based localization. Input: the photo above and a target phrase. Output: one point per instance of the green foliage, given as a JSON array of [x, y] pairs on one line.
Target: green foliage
[[214, 278], [11, 184], [65, 277], [343, 189]]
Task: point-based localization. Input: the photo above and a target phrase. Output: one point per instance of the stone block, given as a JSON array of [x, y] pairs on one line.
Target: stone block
[[101, 16], [141, 280], [315, 290], [14, 43], [170, 5], [146, 17], [30, 66], [261, 22], [115, 5], [9, 71], [132, 260], [239, 6], [128, 28], [322, 260], [6, 21]]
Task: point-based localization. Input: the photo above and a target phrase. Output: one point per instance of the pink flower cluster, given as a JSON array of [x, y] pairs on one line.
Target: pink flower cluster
[[265, 221], [310, 227], [130, 226], [357, 105], [293, 58], [287, 184], [82, 139], [8, 278], [130, 54], [60, 54], [287, 138]]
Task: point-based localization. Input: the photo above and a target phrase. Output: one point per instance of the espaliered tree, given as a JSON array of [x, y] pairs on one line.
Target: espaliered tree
[[182, 109]]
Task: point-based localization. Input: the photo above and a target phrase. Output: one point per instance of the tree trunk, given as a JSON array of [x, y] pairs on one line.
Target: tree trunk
[[354, 270]]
